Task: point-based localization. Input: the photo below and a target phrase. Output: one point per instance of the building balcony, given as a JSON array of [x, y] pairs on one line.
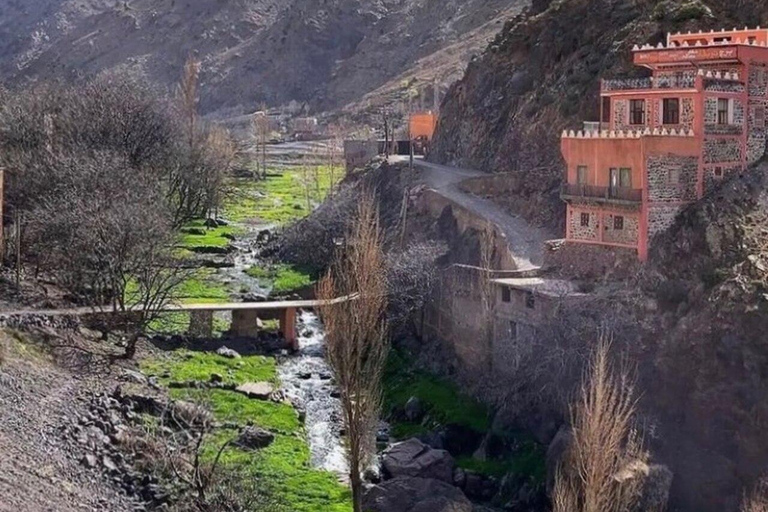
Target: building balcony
[[595, 193], [663, 82]]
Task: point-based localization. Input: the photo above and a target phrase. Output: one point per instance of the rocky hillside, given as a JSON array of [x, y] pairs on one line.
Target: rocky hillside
[[541, 74], [325, 52]]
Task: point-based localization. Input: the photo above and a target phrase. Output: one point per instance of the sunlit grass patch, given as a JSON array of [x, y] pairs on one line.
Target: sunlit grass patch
[[231, 406], [285, 469], [185, 366], [282, 278], [197, 236]]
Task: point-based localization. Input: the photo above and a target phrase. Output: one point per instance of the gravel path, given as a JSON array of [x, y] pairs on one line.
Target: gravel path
[[526, 242]]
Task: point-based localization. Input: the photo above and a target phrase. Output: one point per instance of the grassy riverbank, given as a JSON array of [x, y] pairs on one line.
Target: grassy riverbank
[[284, 466]]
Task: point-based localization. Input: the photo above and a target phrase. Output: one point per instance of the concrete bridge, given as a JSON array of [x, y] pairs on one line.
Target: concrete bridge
[[246, 316]]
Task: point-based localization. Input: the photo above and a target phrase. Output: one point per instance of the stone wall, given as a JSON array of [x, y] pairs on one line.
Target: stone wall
[[710, 111], [620, 114], [579, 232], [719, 85], [714, 176], [628, 235], [671, 177], [722, 150], [661, 218]]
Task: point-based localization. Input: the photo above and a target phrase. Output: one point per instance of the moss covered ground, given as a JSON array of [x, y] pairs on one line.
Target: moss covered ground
[[284, 466], [283, 278]]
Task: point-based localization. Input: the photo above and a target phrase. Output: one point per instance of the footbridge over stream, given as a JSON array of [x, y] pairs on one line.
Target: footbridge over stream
[[246, 316]]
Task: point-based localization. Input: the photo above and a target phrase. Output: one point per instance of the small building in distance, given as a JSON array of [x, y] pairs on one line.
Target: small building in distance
[[304, 128], [664, 141], [421, 130]]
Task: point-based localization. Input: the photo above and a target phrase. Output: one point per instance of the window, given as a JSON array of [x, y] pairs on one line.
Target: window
[[636, 111], [581, 174], [673, 176], [671, 111], [585, 220], [759, 117], [530, 300], [625, 177], [718, 172], [506, 295], [606, 110], [618, 222], [723, 111]]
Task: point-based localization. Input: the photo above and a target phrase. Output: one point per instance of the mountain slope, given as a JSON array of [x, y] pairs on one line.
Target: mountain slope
[[325, 52]]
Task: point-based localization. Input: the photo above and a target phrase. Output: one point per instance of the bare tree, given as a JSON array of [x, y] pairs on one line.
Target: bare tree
[[356, 336], [188, 97], [757, 500], [605, 466]]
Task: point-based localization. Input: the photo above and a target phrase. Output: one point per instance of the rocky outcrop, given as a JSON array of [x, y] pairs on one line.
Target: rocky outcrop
[[409, 494], [415, 459]]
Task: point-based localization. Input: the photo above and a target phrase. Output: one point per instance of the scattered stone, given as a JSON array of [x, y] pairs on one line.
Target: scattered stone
[[410, 494], [305, 375], [414, 409], [258, 390], [89, 460], [216, 378], [459, 478], [254, 438], [228, 352], [416, 459], [109, 464]]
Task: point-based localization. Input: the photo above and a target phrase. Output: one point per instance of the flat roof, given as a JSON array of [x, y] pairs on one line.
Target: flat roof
[[541, 285]]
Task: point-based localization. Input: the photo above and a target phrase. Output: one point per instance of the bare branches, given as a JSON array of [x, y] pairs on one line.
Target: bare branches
[[355, 336], [606, 465]]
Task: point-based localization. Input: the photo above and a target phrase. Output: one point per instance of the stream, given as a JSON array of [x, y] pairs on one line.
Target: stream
[[305, 376]]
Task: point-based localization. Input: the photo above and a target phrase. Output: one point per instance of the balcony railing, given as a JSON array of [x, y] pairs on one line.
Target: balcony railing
[[661, 82], [597, 193]]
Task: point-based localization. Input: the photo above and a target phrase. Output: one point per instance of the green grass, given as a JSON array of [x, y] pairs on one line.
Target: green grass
[[443, 402], [528, 460], [202, 287], [280, 199], [283, 467], [196, 235], [185, 365], [235, 407], [283, 278], [285, 470]]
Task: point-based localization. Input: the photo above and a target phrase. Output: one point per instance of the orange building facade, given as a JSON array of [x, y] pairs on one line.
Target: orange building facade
[[667, 140], [422, 125]]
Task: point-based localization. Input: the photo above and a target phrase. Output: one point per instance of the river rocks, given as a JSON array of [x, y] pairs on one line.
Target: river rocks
[[254, 438], [416, 459], [258, 390], [228, 352], [411, 494], [414, 409]]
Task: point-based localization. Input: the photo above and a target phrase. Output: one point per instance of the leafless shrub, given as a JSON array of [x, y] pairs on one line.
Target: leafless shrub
[[355, 336], [412, 275], [757, 500], [604, 468]]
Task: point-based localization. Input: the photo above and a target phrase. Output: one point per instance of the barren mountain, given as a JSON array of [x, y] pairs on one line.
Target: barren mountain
[[324, 52]]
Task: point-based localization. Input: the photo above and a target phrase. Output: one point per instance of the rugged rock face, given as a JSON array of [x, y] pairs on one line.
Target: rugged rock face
[[408, 494], [416, 459], [541, 74], [327, 53]]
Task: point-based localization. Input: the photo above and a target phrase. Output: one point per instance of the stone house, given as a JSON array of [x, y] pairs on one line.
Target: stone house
[[665, 141]]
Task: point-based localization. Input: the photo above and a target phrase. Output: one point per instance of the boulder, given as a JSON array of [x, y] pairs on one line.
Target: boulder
[[416, 459], [228, 352], [254, 438], [258, 390], [414, 409], [410, 494]]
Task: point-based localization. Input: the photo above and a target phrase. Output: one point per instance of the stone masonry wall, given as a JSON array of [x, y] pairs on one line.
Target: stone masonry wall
[[627, 235], [757, 141], [660, 218], [580, 232], [714, 176], [671, 178], [722, 150]]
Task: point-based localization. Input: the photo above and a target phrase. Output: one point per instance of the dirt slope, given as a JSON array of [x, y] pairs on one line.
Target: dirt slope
[[325, 52]]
